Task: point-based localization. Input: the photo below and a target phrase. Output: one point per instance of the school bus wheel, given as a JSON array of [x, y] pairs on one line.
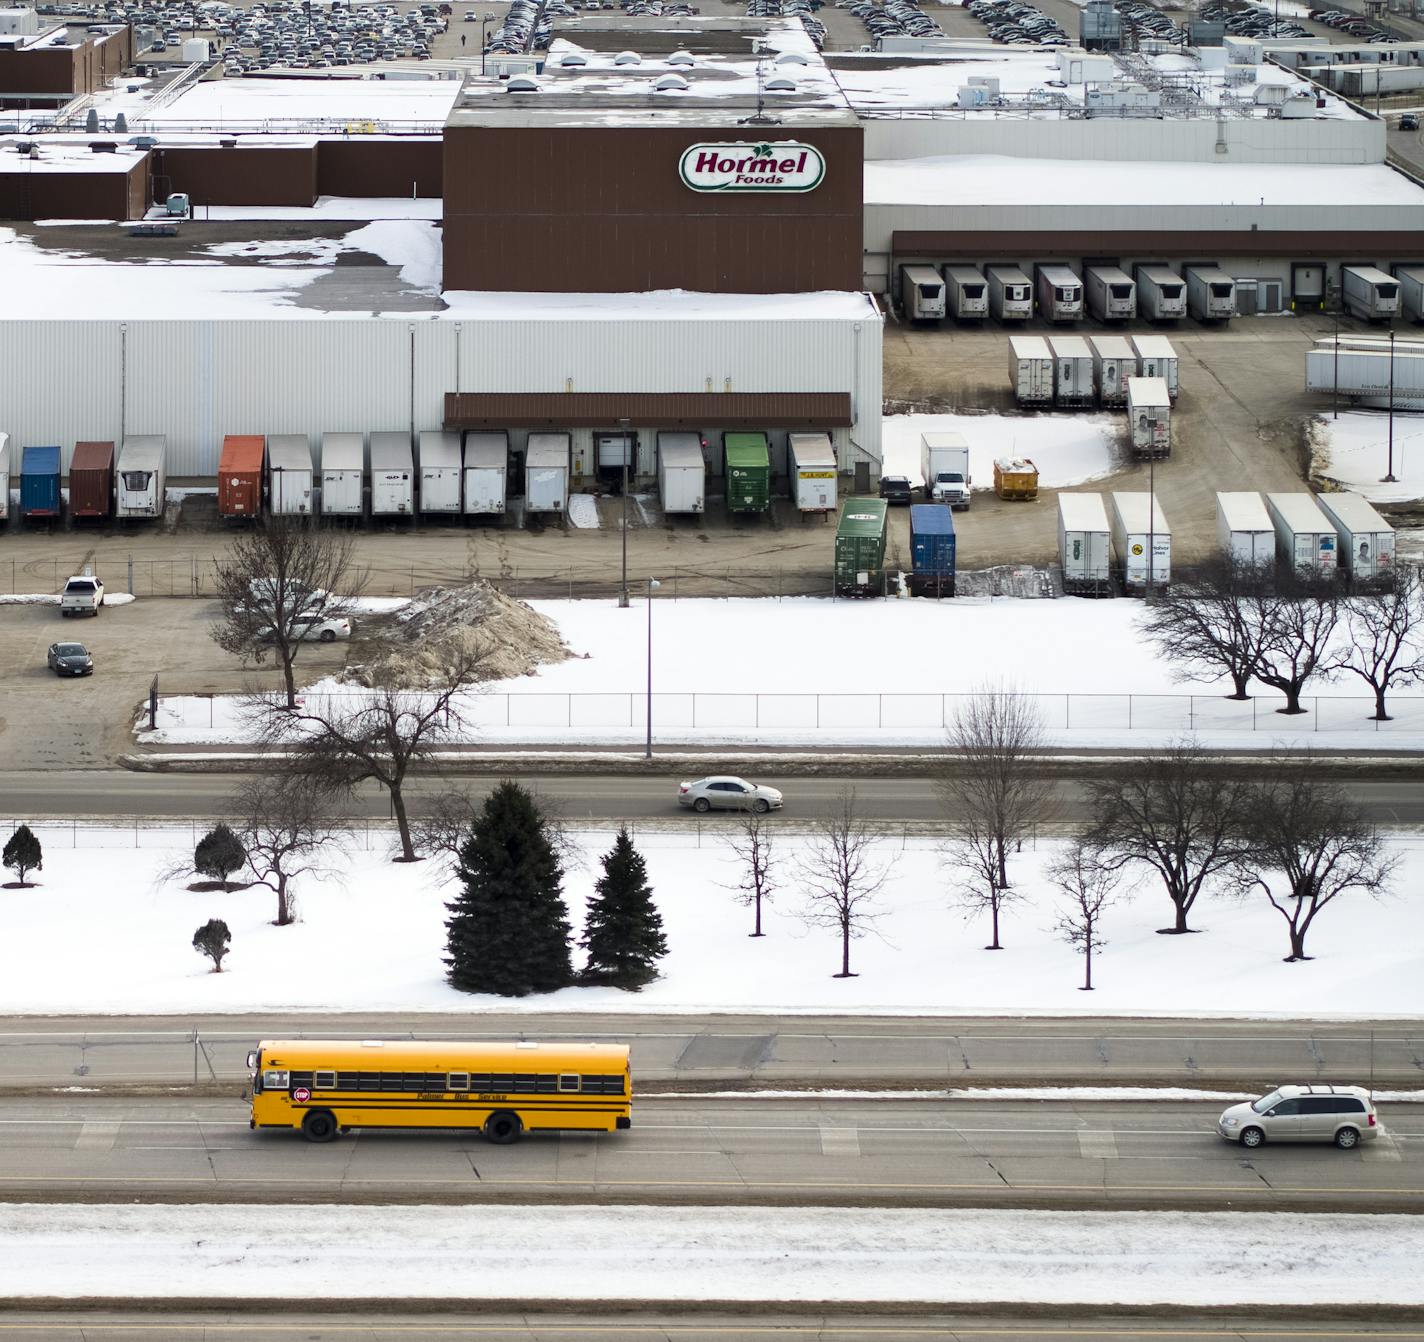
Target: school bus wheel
[[319, 1126], [502, 1127]]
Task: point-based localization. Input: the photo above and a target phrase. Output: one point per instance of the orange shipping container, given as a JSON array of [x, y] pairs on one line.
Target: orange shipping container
[[91, 480], [240, 475]]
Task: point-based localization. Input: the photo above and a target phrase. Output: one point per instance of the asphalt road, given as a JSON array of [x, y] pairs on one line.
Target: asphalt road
[[1063, 1325], [832, 1152], [1390, 802], [700, 1053]]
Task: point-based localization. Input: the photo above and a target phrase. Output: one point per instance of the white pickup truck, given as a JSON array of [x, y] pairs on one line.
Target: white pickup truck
[[82, 595]]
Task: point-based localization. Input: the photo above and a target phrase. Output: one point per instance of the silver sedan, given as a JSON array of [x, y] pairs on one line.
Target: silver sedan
[[724, 793]]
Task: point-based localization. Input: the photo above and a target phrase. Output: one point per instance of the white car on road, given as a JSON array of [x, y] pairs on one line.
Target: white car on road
[[725, 793]]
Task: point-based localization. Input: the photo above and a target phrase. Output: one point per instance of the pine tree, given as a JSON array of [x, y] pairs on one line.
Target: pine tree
[[23, 855], [219, 853], [508, 930], [213, 939], [624, 931]]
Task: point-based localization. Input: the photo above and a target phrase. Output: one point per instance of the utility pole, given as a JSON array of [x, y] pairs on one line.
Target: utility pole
[[627, 451], [1390, 477]]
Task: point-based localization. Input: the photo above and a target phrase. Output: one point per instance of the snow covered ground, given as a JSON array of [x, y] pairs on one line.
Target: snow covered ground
[[1354, 449], [372, 938], [1067, 449], [882, 673], [719, 1253]]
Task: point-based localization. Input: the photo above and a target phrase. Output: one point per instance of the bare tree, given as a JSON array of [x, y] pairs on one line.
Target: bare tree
[[1297, 631], [994, 795], [1088, 888], [1174, 811], [284, 824], [1211, 623], [1309, 846], [381, 734], [752, 846], [842, 876], [1384, 642], [273, 580]]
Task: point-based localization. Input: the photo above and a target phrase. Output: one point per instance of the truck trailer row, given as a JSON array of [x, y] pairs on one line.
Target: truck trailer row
[[1075, 372]]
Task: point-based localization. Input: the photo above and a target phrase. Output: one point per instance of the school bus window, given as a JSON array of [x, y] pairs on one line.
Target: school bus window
[[568, 1081], [458, 1081], [272, 1079], [324, 1081]]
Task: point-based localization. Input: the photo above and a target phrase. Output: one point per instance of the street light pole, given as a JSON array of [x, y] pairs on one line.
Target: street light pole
[[653, 585], [1389, 478], [485, 22], [627, 447]]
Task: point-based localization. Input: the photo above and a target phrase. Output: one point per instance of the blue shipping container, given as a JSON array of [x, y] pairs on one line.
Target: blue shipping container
[[39, 482], [931, 549]]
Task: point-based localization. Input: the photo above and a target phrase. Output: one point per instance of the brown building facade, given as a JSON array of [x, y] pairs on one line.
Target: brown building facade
[[549, 204], [80, 63]]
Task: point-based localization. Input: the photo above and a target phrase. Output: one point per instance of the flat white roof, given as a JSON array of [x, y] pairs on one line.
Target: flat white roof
[[1300, 513], [1353, 512], [1131, 511], [661, 305], [1242, 510], [390, 450], [289, 452], [342, 452], [1148, 391], [1069, 347], [1112, 347], [546, 449], [1153, 347], [685, 449], [1029, 347], [485, 451], [275, 104], [995, 179], [439, 448], [1082, 512]]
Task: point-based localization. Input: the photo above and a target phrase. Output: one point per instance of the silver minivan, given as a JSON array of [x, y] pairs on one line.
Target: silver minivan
[[1344, 1115]]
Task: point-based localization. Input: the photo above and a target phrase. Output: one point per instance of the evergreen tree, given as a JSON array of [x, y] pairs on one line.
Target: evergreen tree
[[508, 930], [624, 932], [213, 939], [219, 853], [22, 855]]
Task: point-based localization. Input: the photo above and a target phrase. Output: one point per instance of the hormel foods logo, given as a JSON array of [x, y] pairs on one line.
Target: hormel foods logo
[[728, 166]]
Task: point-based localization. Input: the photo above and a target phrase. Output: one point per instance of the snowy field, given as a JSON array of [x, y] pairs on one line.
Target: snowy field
[[1067, 449], [718, 1253], [372, 938], [1354, 449], [882, 673]]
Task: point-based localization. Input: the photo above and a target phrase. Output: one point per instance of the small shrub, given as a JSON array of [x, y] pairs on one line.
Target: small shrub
[[213, 939]]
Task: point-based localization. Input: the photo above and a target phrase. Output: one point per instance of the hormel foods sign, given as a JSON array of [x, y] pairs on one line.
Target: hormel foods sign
[[728, 166]]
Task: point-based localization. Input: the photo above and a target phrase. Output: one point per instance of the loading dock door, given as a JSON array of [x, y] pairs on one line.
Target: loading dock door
[[613, 451], [1308, 284]]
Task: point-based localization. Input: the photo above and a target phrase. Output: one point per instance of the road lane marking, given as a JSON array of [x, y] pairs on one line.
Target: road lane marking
[[1383, 1148], [1097, 1145], [96, 1137], [840, 1142]]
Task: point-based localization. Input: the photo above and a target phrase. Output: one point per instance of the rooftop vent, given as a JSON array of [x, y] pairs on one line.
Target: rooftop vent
[[573, 58], [791, 58], [522, 84], [682, 58], [103, 147], [671, 84], [627, 58], [781, 85]]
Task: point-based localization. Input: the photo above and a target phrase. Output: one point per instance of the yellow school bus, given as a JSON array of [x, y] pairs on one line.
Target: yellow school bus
[[325, 1086]]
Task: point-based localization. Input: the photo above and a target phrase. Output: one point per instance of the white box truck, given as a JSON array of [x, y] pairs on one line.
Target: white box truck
[[1110, 293], [1114, 361], [1059, 292], [682, 473], [1411, 292], [486, 473], [1366, 539], [1245, 529], [1010, 294], [966, 293], [1149, 414], [140, 483], [944, 461], [392, 475], [440, 470], [1211, 293], [1084, 552], [546, 473], [290, 479], [1072, 371], [1161, 294], [343, 475], [1157, 358], [1305, 537], [1369, 293], [4, 476], [813, 470], [1142, 541], [1031, 370], [921, 294]]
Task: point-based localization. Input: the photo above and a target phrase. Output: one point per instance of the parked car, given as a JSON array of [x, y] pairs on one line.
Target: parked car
[[728, 794], [1409, 121], [896, 488], [1344, 1115], [314, 626], [70, 659], [82, 596]]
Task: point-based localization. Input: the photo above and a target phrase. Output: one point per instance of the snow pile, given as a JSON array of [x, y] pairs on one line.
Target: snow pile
[[778, 1254], [372, 938], [510, 637], [1353, 451], [411, 245], [583, 511], [1067, 449]]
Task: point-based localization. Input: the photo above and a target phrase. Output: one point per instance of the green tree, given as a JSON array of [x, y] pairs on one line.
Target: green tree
[[624, 931], [508, 930], [219, 853], [23, 855], [213, 939]]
